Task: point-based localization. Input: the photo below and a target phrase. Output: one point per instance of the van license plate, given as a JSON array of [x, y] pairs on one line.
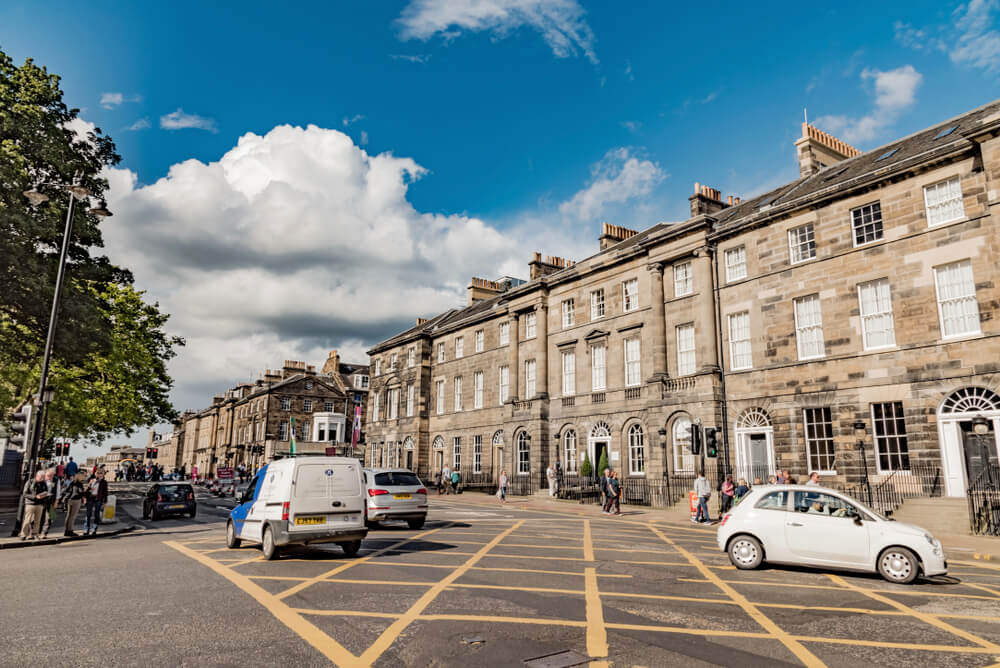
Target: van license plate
[[177, 506], [402, 496], [317, 519]]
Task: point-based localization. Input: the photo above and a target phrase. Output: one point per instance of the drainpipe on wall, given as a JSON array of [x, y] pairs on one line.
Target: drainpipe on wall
[[712, 249]]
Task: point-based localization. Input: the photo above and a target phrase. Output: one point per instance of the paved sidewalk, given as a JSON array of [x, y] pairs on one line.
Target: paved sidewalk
[[122, 523], [983, 549]]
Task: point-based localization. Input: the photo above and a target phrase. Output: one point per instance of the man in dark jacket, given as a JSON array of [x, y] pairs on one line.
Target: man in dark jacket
[[72, 498], [35, 492], [97, 494]]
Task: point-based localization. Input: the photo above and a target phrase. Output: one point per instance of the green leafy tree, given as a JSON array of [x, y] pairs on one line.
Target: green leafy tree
[[586, 468], [39, 144], [603, 462]]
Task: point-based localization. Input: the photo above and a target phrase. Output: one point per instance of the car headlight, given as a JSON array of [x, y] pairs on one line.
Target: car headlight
[[935, 544]]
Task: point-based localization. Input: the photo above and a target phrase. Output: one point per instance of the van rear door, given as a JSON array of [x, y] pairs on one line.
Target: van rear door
[[326, 494]]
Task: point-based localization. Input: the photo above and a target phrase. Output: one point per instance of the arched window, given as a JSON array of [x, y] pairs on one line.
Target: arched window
[[753, 418], [438, 443], [636, 450], [600, 430], [569, 447], [523, 454], [971, 400], [408, 443], [683, 459], [498, 438]]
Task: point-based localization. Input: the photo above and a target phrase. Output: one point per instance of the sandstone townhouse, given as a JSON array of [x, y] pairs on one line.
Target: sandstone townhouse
[[855, 304]]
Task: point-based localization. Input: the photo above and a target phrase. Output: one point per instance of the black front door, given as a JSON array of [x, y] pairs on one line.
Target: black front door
[[980, 451], [409, 459]]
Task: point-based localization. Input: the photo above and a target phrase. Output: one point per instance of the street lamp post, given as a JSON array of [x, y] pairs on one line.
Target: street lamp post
[[859, 434]]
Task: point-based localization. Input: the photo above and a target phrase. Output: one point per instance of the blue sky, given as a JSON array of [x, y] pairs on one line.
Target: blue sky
[[475, 133]]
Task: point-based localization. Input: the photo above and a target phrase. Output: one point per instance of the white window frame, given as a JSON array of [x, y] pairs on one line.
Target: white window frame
[[881, 441], [686, 347], [529, 379], [740, 348], [439, 392], [530, 322], [327, 406], [458, 393], [283, 430], [630, 295], [633, 364], [477, 385], [968, 296], [866, 318], [810, 440], [523, 448], [636, 450], [796, 243], [599, 367], [681, 441], [931, 191], [378, 367], [504, 333], [411, 356], [568, 373], [806, 331], [683, 281], [504, 382], [410, 396], [860, 211], [393, 400], [456, 453], [597, 304], [392, 361], [480, 340], [736, 263], [477, 453], [376, 400], [307, 405], [459, 347], [568, 313], [441, 352], [569, 450], [285, 404]]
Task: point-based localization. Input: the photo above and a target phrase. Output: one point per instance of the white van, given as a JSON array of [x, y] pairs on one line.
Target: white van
[[299, 501]]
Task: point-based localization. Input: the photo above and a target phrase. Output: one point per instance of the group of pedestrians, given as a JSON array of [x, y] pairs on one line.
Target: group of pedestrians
[[65, 488], [141, 473], [610, 486], [448, 481]]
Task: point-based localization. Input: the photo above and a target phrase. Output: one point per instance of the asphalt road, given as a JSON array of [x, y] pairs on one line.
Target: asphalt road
[[479, 584]]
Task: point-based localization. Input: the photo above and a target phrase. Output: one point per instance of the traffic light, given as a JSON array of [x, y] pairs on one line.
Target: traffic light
[[149, 453], [695, 439], [711, 442], [21, 426]]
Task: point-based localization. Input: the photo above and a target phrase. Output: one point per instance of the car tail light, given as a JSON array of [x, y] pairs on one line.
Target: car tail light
[[377, 492], [422, 490], [159, 497], [725, 518], [284, 510], [190, 496]]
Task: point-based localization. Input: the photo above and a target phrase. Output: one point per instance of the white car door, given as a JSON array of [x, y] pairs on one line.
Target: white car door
[[822, 530], [767, 521]]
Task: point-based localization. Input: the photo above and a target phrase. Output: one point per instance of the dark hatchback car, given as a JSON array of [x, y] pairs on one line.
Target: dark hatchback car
[[166, 498]]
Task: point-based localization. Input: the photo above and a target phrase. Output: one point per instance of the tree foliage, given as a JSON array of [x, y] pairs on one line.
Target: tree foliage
[[110, 352], [585, 468]]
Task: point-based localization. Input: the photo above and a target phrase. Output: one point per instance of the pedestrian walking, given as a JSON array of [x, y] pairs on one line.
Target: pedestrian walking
[[611, 506], [35, 491], [728, 491], [446, 479], [49, 506], [72, 499], [602, 484], [813, 479], [456, 481], [502, 487], [97, 495], [71, 468], [703, 490], [550, 475]]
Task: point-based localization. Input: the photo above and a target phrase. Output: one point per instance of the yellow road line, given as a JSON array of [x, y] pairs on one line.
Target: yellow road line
[[688, 631], [347, 613], [982, 587], [246, 561], [380, 583], [544, 590], [799, 650], [588, 542], [510, 620], [543, 547], [597, 634], [673, 563], [895, 592], [385, 640], [326, 645], [956, 649], [977, 564], [535, 556], [354, 562], [918, 614]]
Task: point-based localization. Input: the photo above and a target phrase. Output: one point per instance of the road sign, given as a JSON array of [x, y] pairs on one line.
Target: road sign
[[224, 473]]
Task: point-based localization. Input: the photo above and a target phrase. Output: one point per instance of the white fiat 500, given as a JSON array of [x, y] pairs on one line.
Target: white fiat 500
[[815, 526]]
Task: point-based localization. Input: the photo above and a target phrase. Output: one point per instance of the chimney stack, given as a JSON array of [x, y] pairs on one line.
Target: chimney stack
[[421, 321], [550, 265], [480, 289], [817, 149], [332, 364], [705, 200], [613, 234]]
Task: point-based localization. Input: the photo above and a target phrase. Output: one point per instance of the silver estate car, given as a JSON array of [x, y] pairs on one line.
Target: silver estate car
[[395, 494]]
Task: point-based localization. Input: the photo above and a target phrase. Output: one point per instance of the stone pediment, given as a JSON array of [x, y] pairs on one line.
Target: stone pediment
[[596, 334]]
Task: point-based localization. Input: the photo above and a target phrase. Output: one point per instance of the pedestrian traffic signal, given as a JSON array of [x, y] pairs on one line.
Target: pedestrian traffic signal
[[695, 439], [711, 442], [149, 453], [155, 452], [21, 426]]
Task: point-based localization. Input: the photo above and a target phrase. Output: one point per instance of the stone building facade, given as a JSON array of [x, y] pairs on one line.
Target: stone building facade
[[863, 294], [252, 423]]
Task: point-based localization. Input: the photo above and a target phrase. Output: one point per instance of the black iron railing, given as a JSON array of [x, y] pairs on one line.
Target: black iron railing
[[984, 502]]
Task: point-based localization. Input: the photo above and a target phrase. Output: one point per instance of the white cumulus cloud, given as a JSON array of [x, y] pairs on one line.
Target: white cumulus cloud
[[894, 92], [112, 100], [179, 120], [560, 22], [619, 177], [971, 38]]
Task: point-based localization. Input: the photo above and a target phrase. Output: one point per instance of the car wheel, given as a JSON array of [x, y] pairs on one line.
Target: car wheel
[[267, 546], [155, 516], [416, 524], [745, 552], [232, 542], [351, 549], [899, 565]]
